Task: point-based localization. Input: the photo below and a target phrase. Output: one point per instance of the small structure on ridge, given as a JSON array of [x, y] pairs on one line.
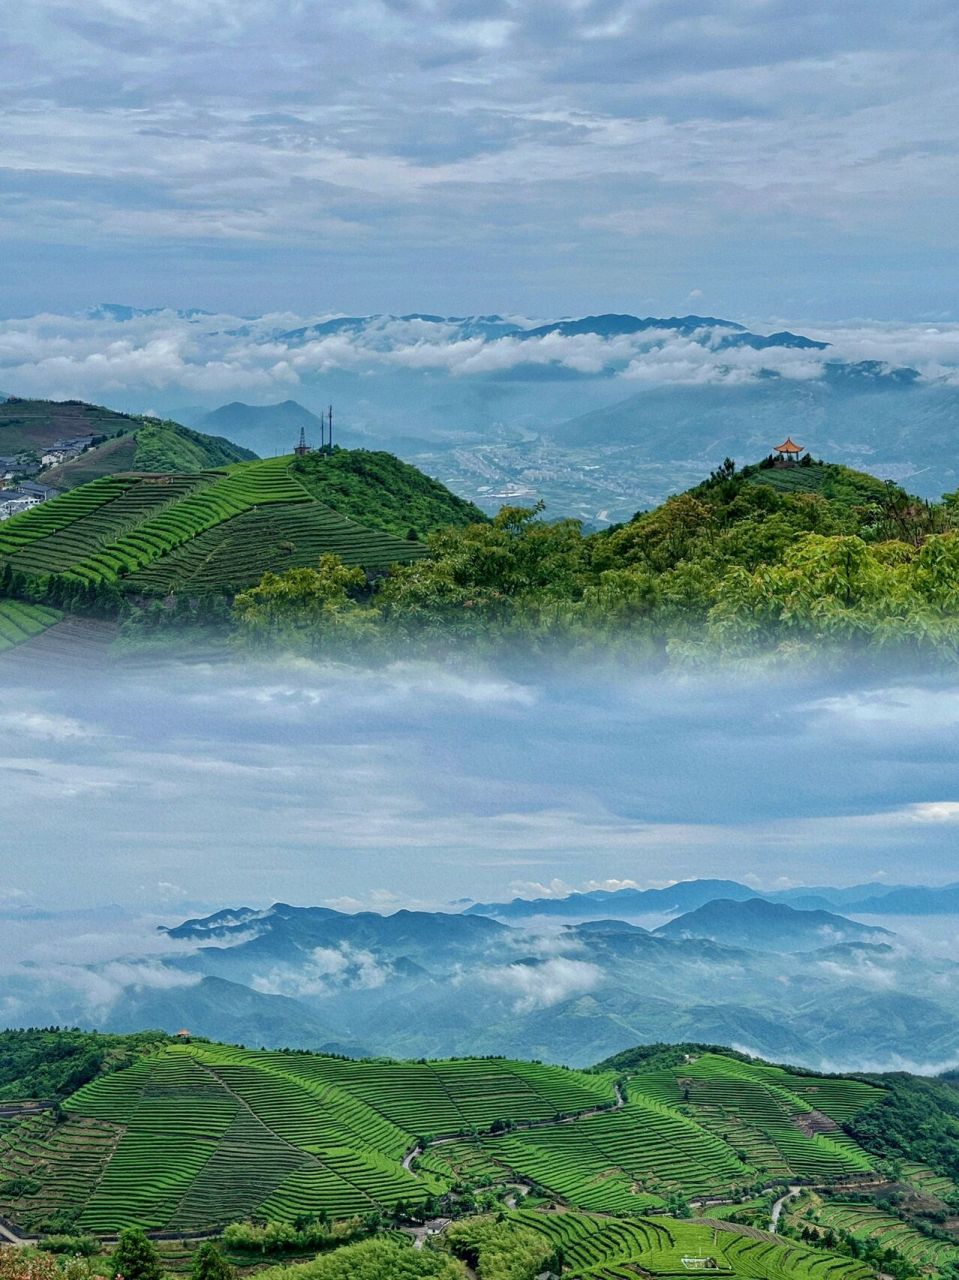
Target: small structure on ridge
[[788, 451]]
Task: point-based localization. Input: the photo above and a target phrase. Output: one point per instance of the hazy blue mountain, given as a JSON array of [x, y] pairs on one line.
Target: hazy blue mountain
[[769, 926], [220, 1010], [611, 325], [618, 904], [809, 985], [280, 423], [683, 896], [905, 900], [870, 417]]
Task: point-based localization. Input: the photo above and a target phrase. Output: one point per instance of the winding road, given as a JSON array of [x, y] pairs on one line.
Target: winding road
[[780, 1204]]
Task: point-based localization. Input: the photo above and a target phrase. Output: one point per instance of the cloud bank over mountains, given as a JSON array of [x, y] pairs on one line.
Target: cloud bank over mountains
[[113, 353]]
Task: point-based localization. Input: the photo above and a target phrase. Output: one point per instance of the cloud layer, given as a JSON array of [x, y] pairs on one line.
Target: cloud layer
[[275, 153], [204, 788], [165, 358]]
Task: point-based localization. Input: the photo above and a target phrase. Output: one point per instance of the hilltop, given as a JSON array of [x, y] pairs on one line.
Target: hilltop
[[769, 926], [97, 442], [810, 557]]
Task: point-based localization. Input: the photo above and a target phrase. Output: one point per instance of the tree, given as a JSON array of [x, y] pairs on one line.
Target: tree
[[306, 610], [135, 1257], [210, 1264]]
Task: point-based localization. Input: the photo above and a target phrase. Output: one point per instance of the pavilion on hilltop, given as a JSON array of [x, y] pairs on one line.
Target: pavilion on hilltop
[[788, 451]]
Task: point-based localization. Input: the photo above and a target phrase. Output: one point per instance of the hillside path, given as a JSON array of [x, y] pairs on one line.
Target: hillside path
[[781, 1204], [519, 1127]]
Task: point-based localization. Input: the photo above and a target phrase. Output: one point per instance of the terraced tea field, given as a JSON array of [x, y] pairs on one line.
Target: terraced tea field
[[600, 1248], [785, 1125], [199, 1135], [20, 621], [205, 532], [712, 1128], [196, 1135], [868, 1222]]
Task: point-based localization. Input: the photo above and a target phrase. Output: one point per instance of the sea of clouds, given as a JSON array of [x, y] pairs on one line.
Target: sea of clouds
[[211, 358]]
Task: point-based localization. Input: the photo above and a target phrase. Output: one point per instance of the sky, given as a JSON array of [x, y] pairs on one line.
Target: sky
[[747, 158], [194, 788]]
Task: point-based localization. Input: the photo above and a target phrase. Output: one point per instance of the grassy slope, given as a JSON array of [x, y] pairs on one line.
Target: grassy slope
[[130, 443], [34, 425], [215, 530], [836, 483], [150, 446], [202, 1133], [403, 498], [20, 621]]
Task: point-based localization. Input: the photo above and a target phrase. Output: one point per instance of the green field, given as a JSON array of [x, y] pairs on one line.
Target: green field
[[185, 1137], [607, 1249], [869, 1222], [19, 622], [784, 1125], [830, 480], [200, 1135], [209, 531], [712, 1127]]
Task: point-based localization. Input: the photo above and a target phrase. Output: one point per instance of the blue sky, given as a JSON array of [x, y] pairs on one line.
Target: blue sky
[[751, 158], [196, 787]]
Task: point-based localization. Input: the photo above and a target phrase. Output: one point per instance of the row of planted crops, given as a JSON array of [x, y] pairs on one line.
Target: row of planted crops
[[202, 1134], [592, 1246], [206, 531]]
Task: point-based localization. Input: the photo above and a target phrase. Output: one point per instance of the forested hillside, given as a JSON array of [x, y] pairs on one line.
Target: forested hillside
[[813, 560]]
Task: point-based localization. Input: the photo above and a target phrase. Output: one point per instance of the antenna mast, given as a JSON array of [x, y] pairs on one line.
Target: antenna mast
[[331, 428]]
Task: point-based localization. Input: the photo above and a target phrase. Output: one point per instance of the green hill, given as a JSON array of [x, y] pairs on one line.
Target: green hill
[[187, 1136], [837, 484], [219, 530], [152, 445], [195, 1134], [35, 425], [121, 441]]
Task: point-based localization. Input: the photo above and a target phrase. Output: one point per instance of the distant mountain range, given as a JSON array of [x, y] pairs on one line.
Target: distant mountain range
[[769, 926], [808, 984], [688, 895], [272, 427]]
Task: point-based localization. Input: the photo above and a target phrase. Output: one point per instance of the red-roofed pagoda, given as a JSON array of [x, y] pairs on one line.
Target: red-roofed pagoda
[[788, 451]]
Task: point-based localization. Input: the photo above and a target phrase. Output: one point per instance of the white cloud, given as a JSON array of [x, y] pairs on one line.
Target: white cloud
[[543, 984], [45, 726], [214, 357], [325, 970]]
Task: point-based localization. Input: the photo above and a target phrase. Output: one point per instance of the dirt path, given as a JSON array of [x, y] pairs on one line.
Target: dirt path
[[780, 1204], [522, 1127], [10, 1236]]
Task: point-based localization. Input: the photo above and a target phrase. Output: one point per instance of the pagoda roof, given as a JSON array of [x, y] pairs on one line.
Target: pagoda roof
[[789, 445]]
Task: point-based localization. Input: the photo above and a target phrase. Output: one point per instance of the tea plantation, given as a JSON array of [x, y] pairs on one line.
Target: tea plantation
[[218, 531], [20, 621], [602, 1248], [194, 1135], [711, 1127]]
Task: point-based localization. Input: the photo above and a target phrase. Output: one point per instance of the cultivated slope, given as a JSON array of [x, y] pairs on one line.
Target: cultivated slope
[[219, 530], [121, 442]]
